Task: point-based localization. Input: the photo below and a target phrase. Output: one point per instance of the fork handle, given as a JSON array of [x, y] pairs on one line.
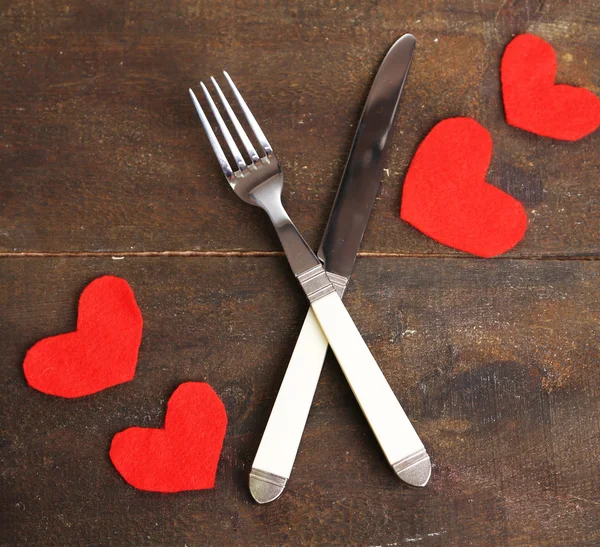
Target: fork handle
[[278, 447], [395, 434]]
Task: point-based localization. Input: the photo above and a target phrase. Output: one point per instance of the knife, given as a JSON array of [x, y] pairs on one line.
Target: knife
[[358, 189]]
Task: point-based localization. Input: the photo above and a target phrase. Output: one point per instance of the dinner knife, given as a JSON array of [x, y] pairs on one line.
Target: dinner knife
[[358, 189]]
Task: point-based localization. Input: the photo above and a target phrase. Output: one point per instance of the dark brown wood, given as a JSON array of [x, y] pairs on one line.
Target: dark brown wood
[[100, 149], [496, 362]]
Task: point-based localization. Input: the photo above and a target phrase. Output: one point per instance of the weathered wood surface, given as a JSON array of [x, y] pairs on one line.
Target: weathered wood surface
[[100, 149], [496, 361]]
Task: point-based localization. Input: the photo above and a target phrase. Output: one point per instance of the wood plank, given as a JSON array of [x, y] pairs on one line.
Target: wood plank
[[495, 361], [100, 149]]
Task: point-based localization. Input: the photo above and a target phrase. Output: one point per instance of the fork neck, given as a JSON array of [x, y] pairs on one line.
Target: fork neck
[[299, 254]]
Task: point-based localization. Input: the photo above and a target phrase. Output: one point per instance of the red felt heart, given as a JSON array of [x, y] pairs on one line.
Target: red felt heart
[[446, 197], [101, 353], [534, 103], [182, 456]]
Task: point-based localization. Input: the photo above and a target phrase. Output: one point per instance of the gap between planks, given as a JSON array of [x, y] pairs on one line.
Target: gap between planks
[[268, 254]]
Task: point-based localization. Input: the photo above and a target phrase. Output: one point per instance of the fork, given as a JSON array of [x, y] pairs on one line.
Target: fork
[[260, 182]]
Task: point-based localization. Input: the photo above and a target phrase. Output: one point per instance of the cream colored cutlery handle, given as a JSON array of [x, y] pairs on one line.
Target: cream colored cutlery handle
[[394, 432], [277, 451], [280, 441]]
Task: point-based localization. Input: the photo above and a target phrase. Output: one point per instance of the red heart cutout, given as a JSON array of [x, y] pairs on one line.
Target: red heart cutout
[[446, 197], [101, 353], [182, 456], [533, 102]]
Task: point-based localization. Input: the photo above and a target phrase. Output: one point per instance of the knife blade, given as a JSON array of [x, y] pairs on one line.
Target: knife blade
[[363, 172], [344, 232]]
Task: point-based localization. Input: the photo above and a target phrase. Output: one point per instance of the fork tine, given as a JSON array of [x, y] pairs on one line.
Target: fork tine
[[238, 126], [237, 156], [212, 138], [251, 119]]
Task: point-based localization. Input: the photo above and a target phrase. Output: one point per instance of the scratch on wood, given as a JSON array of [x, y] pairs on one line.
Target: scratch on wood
[[541, 5], [583, 499], [418, 537], [500, 9]]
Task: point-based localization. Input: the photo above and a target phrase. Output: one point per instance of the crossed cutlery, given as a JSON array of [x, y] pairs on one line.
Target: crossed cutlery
[[323, 278]]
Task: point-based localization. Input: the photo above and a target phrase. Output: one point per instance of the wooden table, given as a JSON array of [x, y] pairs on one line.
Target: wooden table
[[104, 169]]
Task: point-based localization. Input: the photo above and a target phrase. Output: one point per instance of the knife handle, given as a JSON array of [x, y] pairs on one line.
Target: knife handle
[[395, 434], [280, 441]]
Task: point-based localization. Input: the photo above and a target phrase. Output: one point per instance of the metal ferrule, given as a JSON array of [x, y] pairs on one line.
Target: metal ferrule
[[265, 486], [315, 283], [339, 283], [414, 469]]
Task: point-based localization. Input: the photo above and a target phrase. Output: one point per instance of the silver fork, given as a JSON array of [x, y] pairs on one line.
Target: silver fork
[[259, 183]]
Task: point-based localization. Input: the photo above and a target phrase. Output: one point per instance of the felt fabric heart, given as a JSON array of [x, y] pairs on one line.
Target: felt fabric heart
[[446, 197], [182, 456], [101, 353], [533, 102]]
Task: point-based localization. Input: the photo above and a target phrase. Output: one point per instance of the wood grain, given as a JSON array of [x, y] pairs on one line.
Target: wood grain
[[100, 149], [495, 361]]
